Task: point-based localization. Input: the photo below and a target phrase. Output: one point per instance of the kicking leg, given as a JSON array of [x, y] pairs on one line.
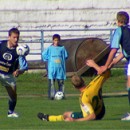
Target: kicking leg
[[8, 81]]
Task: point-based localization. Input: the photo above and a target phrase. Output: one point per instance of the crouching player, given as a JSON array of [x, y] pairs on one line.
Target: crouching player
[[91, 101], [11, 66]]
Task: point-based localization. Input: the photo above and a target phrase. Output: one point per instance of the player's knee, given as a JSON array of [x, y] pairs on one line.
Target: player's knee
[[67, 115]]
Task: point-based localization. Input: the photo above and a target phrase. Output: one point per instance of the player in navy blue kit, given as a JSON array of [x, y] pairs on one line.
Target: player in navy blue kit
[[11, 66]]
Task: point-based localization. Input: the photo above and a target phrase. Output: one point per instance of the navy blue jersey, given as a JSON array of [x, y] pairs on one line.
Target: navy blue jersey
[[8, 59], [125, 39]]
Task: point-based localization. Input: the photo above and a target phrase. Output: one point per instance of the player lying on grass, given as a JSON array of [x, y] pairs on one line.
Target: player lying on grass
[[91, 101]]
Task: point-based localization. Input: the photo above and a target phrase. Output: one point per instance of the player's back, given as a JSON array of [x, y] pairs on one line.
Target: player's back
[[92, 94]]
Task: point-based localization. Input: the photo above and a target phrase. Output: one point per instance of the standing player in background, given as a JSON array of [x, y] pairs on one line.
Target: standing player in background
[[91, 101], [55, 56], [11, 66], [121, 37]]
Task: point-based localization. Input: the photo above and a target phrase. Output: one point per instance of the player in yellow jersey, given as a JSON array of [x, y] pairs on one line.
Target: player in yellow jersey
[[91, 101]]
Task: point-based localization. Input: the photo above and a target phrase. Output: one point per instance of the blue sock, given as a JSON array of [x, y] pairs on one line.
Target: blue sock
[[12, 105]]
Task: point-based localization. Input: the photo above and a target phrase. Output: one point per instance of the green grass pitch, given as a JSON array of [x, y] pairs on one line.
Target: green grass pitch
[[32, 98]]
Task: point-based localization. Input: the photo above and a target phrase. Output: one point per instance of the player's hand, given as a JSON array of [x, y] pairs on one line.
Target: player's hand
[[90, 63], [102, 69], [16, 73]]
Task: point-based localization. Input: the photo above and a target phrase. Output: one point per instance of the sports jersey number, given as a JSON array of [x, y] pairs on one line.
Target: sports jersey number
[[95, 100]]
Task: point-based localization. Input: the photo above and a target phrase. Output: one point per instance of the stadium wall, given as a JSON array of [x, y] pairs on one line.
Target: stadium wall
[[58, 14], [53, 14]]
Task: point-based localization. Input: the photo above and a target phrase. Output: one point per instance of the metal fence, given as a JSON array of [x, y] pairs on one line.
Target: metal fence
[[38, 40]]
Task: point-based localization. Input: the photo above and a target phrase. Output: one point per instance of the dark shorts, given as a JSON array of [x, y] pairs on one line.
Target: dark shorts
[[77, 115], [101, 114]]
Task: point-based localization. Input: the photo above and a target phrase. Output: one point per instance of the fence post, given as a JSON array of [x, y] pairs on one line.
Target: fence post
[[42, 42], [111, 32]]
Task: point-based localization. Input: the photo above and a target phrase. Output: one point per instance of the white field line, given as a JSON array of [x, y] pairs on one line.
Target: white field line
[[68, 95]]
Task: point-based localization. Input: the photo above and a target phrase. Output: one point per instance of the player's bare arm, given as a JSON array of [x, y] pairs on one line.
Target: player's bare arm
[[109, 61], [91, 63], [116, 60]]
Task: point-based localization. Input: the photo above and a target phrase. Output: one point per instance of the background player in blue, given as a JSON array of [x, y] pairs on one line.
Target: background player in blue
[[55, 55], [11, 66]]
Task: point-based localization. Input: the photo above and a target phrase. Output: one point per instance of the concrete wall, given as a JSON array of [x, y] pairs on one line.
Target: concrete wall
[[58, 14], [49, 14]]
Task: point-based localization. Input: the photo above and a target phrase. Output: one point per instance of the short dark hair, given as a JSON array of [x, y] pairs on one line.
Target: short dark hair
[[123, 17], [77, 81], [56, 36], [13, 30]]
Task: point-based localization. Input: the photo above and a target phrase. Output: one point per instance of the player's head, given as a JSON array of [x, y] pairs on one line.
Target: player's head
[[56, 39], [77, 82], [122, 18], [13, 36]]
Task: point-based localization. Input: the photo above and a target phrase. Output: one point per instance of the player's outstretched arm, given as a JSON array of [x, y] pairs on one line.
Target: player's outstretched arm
[[91, 63], [116, 60]]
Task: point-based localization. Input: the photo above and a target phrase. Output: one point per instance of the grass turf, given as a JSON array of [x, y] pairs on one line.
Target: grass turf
[[32, 90]]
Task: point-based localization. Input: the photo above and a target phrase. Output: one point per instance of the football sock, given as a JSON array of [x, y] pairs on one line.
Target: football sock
[[55, 118], [51, 91], [12, 105], [61, 85], [128, 94]]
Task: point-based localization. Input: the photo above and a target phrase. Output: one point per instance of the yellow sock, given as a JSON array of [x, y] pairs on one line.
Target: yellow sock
[[56, 118]]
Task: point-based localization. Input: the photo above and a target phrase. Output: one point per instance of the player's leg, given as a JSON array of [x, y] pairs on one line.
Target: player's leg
[[51, 118], [67, 114], [51, 90], [101, 114], [8, 81], [72, 115], [61, 85], [127, 115], [128, 87], [12, 100]]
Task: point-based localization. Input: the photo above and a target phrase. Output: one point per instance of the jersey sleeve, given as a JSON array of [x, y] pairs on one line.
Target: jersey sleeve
[[115, 42], [65, 53], [45, 55], [99, 80], [23, 63]]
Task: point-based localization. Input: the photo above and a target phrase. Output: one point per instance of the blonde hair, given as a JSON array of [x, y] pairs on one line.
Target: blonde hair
[[77, 81]]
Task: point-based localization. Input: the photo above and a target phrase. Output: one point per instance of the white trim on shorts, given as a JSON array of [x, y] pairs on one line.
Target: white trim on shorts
[[128, 68]]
